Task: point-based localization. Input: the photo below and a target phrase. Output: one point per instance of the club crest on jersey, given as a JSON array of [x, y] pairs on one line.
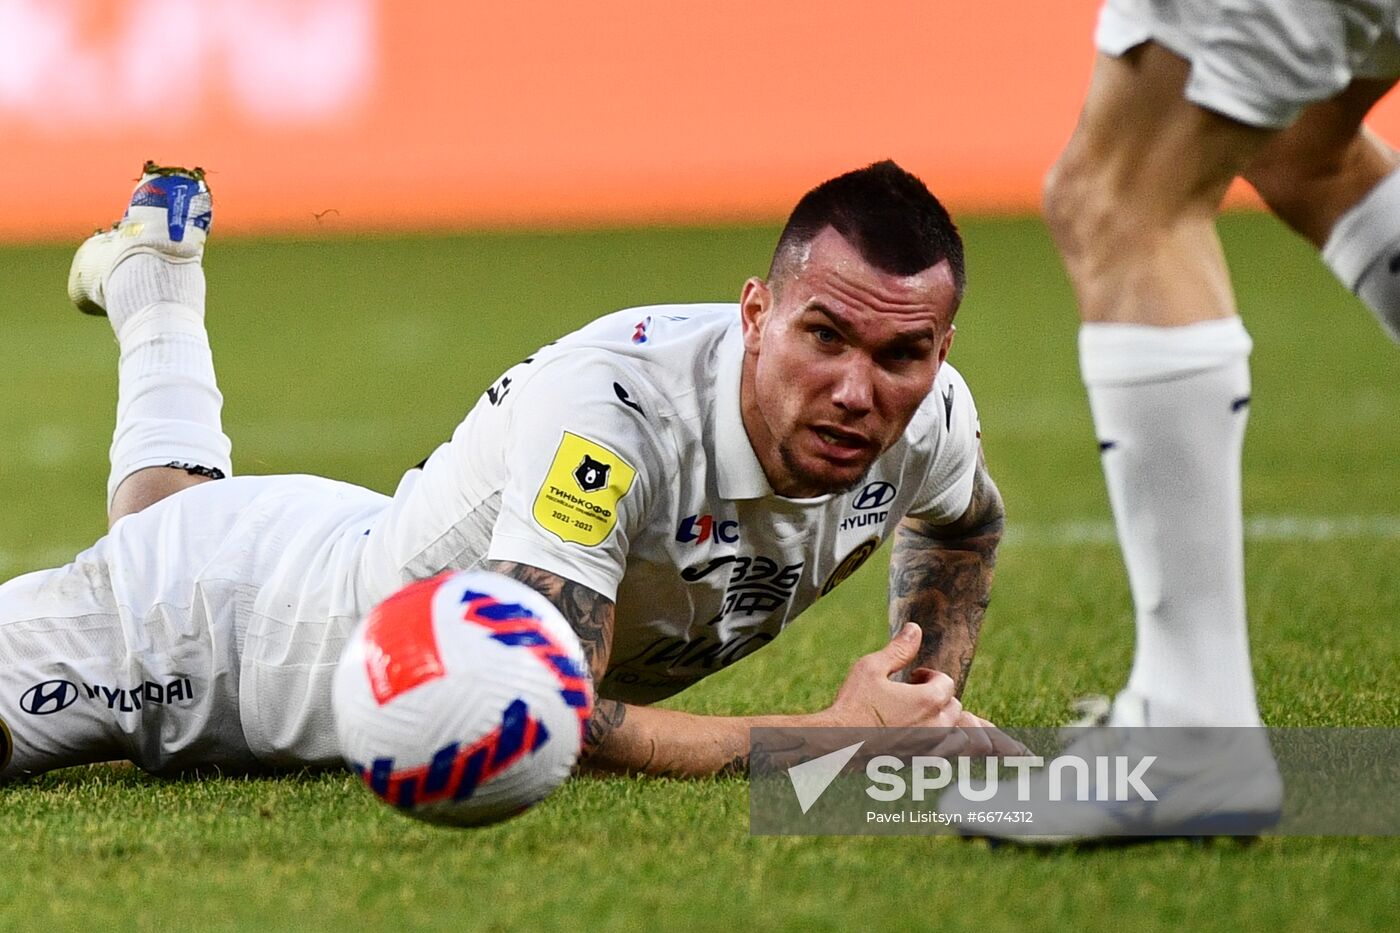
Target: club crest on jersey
[[850, 564], [698, 529], [579, 497], [639, 333]]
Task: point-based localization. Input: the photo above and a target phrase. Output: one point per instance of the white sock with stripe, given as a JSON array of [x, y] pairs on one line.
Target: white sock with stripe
[[1169, 407]]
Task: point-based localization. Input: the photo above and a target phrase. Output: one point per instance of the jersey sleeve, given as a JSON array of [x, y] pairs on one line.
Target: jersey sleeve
[[947, 488], [579, 461]]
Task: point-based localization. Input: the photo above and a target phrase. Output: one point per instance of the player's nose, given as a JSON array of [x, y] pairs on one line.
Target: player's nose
[[854, 388]]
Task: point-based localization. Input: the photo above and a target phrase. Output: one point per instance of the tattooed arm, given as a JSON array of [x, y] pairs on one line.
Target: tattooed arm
[[941, 579], [623, 738], [591, 616]]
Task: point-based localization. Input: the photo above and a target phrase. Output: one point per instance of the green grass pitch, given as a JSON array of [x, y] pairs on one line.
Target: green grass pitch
[[355, 357]]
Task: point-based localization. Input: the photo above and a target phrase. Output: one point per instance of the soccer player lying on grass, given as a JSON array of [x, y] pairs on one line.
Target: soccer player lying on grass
[[681, 480]]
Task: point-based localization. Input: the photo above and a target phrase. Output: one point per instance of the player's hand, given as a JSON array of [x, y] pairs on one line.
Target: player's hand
[[926, 701], [870, 698], [986, 740]]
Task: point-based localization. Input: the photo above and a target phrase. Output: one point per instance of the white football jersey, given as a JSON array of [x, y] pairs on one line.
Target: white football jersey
[[207, 628], [616, 458]]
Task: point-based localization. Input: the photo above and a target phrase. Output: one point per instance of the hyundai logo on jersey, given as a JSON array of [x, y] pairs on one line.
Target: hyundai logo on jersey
[[874, 495], [48, 697], [699, 529]]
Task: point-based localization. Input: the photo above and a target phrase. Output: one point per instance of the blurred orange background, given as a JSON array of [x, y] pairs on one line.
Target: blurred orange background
[[329, 115]]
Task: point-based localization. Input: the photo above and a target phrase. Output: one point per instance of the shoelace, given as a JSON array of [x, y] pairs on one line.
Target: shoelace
[[1091, 710], [1088, 732]]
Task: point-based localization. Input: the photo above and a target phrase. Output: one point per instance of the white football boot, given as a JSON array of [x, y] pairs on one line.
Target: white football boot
[[1206, 782], [169, 215]]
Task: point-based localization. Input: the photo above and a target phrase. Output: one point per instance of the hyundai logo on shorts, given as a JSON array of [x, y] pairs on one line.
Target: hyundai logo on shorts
[[874, 495], [48, 697]]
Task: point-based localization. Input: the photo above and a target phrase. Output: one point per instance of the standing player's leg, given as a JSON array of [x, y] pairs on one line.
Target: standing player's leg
[[1131, 205], [1335, 183], [145, 275]]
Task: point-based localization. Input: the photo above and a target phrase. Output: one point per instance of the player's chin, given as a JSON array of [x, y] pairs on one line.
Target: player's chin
[[830, 477]]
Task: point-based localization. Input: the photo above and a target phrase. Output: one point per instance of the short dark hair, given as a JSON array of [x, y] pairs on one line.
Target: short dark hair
[[886, 213]]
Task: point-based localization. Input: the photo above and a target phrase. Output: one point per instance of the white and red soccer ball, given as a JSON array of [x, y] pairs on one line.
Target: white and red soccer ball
[[462, 699]]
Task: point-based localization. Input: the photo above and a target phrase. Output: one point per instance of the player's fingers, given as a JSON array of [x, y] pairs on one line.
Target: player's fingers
[[1002, 744], [906, 742], [901, 649], [921, 675], [939, 691], [936, 711], [951, 744], [979, 742]]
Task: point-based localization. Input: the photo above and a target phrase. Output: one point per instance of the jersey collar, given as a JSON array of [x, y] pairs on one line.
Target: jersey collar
[[737, 468]]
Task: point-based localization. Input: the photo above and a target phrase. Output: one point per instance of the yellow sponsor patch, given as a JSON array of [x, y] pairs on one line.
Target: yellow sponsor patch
[[578, 501]]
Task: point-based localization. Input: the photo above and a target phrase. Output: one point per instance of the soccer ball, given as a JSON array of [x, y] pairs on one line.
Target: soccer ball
[[462, 699]]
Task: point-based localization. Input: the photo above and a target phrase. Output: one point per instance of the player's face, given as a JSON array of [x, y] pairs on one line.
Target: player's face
[[838, 356]]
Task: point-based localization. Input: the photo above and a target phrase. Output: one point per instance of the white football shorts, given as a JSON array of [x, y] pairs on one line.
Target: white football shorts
[[202, 630], [1261, 61]]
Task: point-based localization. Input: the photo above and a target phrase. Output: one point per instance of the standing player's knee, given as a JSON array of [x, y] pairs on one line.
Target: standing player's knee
[[1083, 211], [1053, 201], [1063, 199]]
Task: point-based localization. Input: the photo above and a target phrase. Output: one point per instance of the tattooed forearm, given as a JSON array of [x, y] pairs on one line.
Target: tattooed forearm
[[607, 718], [736, 766], [591, 616], [941, 579]]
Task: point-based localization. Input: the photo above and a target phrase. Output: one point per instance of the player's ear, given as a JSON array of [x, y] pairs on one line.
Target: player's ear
[[754, 304], [947, 343]]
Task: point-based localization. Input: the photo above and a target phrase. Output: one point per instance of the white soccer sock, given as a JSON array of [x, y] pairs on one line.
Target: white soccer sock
[[1169, 406], [168, 403], [1363, 251]]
